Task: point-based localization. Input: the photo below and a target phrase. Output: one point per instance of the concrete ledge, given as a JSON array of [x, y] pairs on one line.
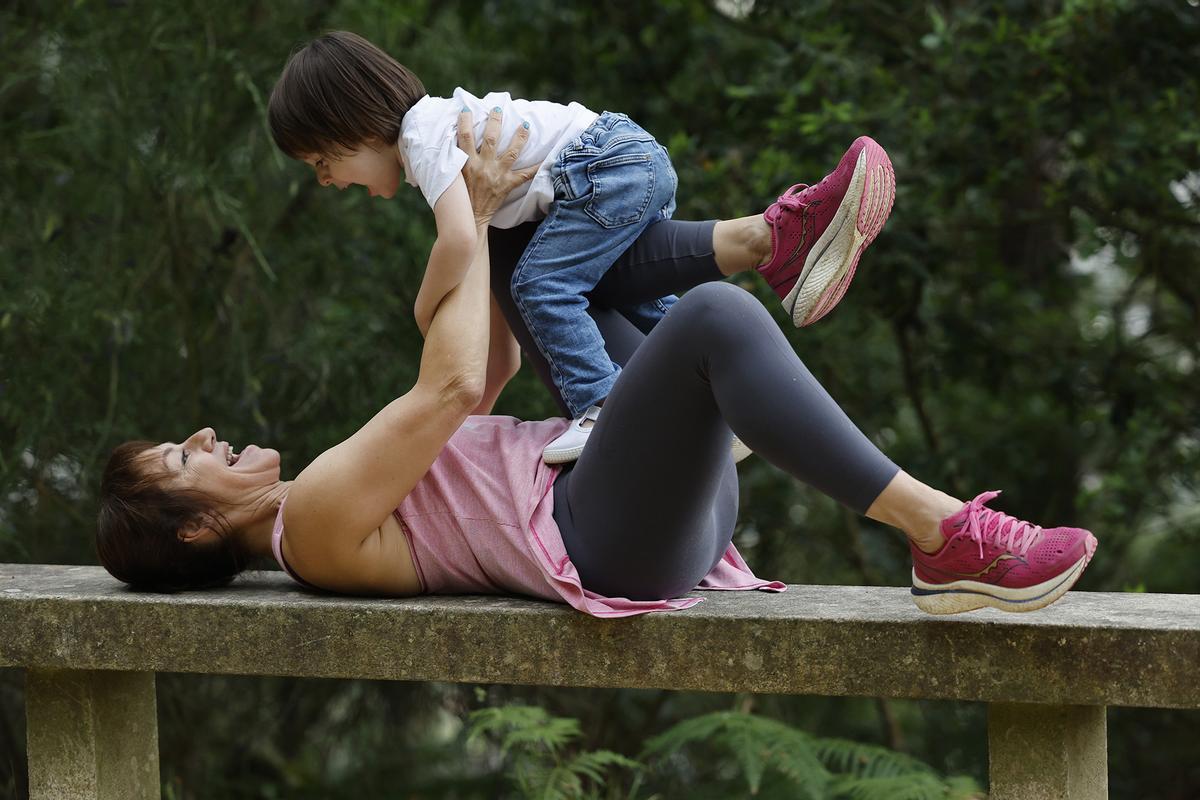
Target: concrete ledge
[[1089, 649]]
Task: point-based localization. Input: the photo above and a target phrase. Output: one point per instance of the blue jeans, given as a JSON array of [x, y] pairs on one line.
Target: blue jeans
[[610, 184]]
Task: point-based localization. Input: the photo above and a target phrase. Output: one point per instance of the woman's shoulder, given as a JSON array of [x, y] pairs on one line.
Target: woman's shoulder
[[381, 565]]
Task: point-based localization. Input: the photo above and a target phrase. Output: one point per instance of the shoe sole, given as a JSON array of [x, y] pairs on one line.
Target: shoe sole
[[562, 456], [831, 263], [960, 596]]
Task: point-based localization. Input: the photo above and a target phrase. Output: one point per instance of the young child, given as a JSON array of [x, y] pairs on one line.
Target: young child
[[358, 116]]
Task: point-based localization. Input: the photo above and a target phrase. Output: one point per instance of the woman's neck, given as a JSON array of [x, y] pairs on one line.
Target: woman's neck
[[255, 534]]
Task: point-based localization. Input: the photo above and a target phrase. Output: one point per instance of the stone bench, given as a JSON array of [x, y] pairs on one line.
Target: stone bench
[[91, 648]]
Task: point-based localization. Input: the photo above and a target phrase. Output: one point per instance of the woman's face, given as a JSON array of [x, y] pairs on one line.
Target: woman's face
[[217, 469], [374, 166]]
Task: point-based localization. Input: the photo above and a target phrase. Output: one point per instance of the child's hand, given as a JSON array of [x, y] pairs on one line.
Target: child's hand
[[490, 177]]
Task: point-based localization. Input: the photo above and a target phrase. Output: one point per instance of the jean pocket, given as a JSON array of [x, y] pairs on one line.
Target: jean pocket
[[622, 186]]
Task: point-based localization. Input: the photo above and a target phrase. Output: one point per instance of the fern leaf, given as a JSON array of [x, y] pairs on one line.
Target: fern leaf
[[601, 759], [552, 735], [560, 784], [594, 764], [756, 743], [490, 720], [963, 787], [916, 786], [523, 728], [867, 760], [682, 733]]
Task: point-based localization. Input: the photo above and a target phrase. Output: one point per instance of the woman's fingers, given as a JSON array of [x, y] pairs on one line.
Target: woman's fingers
[[466, 132], [513, 152], [519, 176], [489, 172], [516, 145], [491, 135]]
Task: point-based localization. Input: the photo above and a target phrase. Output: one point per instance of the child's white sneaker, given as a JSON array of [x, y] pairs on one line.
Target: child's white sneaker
[[568, 446], [740, 451]]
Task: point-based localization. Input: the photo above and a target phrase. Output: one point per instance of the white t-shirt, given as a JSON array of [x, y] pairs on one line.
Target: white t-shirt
[[429, 148]]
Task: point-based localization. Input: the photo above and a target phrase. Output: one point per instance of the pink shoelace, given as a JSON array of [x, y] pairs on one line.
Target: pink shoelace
[[791, 198], [996, 525]]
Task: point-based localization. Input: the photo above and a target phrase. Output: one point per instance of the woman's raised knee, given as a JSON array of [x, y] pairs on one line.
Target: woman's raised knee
[[718, 300]]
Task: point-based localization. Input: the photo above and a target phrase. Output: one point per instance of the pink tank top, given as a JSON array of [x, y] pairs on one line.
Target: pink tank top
[[481, 522]]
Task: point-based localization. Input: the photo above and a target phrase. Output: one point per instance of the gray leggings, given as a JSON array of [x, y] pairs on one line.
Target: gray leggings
[[651, 505]]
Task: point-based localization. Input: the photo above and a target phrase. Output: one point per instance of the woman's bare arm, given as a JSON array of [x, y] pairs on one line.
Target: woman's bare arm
[[340, 499]]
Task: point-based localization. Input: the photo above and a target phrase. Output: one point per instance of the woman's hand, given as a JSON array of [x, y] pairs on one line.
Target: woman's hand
[[490, 176]]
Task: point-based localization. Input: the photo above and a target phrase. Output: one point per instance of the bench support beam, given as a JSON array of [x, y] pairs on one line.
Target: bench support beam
[[1044, 752], [92, 735]]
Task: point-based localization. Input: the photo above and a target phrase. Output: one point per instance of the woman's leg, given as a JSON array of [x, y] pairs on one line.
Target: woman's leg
[[645, 498], [673, 256], [638, 525], [642, 504]]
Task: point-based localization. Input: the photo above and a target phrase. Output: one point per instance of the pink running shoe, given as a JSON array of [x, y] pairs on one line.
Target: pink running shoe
[[992, 559], [818, 233]]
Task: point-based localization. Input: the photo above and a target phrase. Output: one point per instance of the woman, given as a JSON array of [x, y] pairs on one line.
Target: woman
[[426, 497]]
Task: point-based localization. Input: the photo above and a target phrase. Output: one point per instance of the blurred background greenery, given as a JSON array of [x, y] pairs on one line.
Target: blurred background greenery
[[1028, 320]]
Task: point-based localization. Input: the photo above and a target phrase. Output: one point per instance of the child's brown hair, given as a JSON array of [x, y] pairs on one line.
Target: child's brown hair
[[336, 93]]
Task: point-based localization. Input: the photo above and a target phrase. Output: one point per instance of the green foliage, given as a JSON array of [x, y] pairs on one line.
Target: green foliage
[[1027, 320], [870, 772], [814, 768], [719, 755], [534, 740], [756, 745]]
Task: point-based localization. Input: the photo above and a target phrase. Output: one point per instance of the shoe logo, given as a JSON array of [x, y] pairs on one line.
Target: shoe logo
[[991, 566], [805, 230]]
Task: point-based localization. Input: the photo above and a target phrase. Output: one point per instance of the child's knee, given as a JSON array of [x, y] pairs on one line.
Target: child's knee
[[528, 282]]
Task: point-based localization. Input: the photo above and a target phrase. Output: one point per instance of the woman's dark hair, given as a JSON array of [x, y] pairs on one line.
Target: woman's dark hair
[[137, 538], [336, 93]]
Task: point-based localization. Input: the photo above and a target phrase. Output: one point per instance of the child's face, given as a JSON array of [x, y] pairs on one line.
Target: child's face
[[372, 165]]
